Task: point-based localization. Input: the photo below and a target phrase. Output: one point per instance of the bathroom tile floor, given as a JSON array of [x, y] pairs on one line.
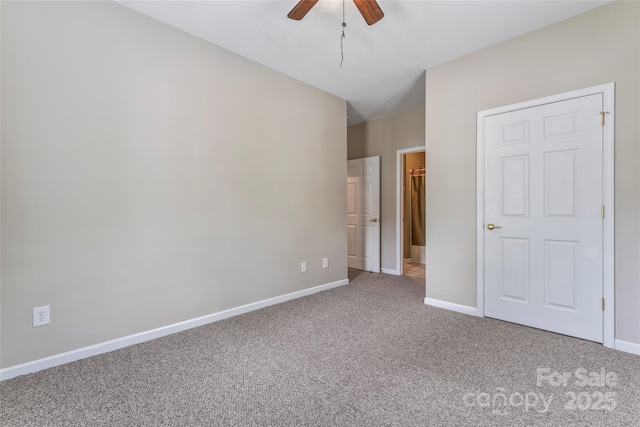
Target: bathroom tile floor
[[414, 269]]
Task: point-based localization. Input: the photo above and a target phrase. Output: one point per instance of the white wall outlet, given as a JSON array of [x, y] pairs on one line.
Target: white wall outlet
[[325, 262], [41, 316], [303, 267]]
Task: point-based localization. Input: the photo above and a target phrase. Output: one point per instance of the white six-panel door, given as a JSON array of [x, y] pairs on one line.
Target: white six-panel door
[[363, 213], [543, 217]]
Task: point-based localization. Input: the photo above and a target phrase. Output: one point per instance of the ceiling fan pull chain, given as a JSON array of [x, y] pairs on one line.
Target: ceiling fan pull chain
[[342, 37], [342, 44]]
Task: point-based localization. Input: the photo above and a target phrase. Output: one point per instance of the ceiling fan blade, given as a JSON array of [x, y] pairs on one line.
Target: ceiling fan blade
[[370, 10], [300, 10]]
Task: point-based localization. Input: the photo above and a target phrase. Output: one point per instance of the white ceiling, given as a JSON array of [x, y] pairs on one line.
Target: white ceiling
[[384, 64]]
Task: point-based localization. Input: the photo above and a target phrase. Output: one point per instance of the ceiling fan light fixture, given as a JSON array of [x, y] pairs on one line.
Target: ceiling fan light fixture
[[369, 9]]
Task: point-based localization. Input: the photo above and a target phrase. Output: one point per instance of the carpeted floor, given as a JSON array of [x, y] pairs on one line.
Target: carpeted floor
[[366, 354]]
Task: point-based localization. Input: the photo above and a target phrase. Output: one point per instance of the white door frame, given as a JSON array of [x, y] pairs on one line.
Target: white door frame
[[607, 90], [399, 205]]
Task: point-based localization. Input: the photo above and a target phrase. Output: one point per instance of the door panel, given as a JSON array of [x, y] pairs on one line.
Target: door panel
[[543, 191], [351, 198], [516, 269], [367, 198], [351, 240], [515, 183], [561, 274], [561, 168]]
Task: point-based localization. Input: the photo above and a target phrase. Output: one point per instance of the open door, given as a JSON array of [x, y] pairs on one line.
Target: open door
[[363, 213]]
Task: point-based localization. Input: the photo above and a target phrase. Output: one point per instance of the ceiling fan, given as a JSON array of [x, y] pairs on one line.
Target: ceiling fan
[[369, 9]]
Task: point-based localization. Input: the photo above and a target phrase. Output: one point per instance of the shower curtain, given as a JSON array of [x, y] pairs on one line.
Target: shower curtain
[[418, 207]]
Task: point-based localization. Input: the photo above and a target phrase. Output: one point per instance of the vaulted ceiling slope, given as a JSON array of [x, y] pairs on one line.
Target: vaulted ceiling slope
[[384, 64]]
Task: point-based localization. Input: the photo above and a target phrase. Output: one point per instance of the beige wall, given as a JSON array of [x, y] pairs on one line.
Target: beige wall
[[597, 47], [149, 177], [383, 137], [411, 161]]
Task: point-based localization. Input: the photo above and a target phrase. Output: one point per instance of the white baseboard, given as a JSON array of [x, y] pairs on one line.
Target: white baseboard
[[627, 347], [390, 271], [104, 347], [472, 311]]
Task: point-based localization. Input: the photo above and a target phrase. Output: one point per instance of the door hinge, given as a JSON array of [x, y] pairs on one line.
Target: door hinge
[[602, 212], [602, 114], [602, 304]]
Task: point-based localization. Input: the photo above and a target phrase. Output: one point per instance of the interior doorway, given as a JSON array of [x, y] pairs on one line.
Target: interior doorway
[[411, 212]]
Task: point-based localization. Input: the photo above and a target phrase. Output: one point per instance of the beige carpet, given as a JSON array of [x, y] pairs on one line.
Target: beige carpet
[[367, 354]]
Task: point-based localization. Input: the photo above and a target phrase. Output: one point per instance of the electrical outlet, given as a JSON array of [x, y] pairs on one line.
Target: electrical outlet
[[303, 267], [325, 262], [41, 316]]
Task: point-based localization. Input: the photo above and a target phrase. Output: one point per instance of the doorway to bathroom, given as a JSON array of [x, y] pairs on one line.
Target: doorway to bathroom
[[411, 227]]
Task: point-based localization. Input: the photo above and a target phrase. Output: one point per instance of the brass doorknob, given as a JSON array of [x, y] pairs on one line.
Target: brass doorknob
[[492, 227], [373, 220]]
